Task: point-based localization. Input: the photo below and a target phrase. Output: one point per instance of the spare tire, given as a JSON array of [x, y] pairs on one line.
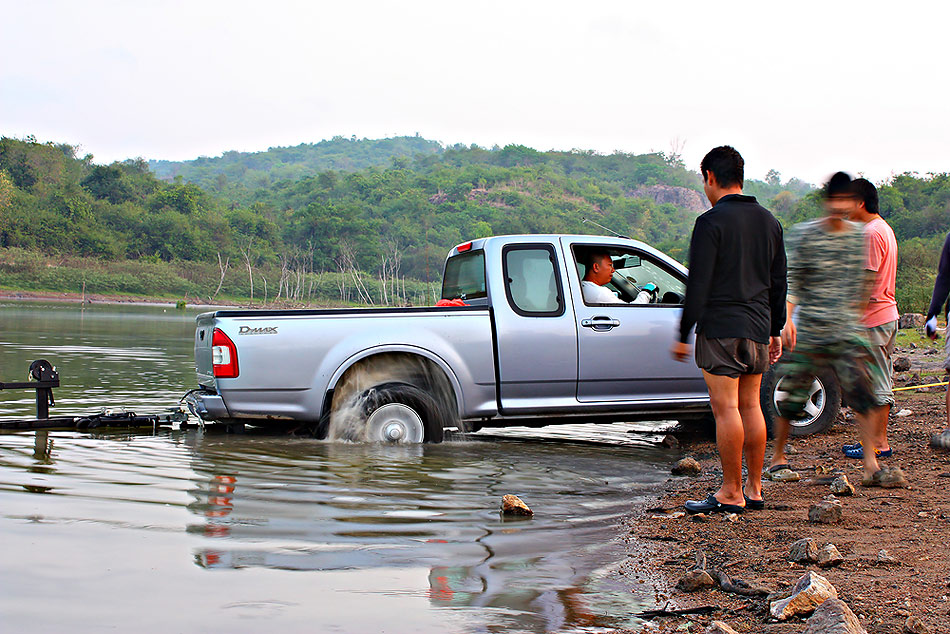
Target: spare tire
[[824, 402]]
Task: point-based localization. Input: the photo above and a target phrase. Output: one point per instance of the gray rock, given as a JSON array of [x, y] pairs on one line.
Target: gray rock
[[828, 511], [841, 486], [681, 197], [901, 364], [718, 627], [686, 466], [803, 551], [914, 625], [834, 617], [885, 558], [695, 580], [810, 591], [911, 320], [670, 441], [829, 556]]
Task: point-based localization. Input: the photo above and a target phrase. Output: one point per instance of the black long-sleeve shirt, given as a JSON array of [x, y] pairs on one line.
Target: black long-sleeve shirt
[[736, 285], [942, 283]]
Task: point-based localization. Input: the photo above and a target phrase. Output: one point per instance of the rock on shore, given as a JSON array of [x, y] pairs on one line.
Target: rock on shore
[[810, 591]]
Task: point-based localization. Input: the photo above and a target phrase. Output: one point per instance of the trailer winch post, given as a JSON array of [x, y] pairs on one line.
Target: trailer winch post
[[45, 378]]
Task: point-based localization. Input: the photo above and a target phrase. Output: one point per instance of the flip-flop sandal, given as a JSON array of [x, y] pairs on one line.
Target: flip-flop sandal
[[857, 451], [753, 505], [781, 473], [886, 478], [941, 440], [711, 505]]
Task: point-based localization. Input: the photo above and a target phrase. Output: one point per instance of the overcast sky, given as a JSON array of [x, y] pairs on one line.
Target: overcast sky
[[806, 88]]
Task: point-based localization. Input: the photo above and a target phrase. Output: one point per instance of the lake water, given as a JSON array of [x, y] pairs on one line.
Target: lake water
[[188, 530]]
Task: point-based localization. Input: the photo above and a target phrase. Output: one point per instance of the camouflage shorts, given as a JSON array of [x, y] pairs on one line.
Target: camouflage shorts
[[851, 361]]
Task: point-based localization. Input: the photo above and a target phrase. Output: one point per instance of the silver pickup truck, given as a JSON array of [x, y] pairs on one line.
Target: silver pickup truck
[[524, 349]]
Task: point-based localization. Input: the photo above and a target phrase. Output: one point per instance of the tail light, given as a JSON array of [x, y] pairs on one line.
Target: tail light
[[223, 356]]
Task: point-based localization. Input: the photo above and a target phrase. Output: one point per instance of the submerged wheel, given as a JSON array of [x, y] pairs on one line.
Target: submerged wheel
[[821, 408], [400, 413]]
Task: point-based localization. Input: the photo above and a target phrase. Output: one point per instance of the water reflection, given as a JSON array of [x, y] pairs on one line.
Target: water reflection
[[312, 536], [309, 506]]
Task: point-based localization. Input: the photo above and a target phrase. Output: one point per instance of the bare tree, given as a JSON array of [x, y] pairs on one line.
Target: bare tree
[[390, 263], [223, 267], [246, 252], [349, 265]]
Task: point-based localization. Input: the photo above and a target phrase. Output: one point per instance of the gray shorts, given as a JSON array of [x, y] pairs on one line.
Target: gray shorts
[[731, 357], [882, 339]]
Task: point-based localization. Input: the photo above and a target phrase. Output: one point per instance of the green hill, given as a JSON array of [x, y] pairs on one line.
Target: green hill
[[376, 233]]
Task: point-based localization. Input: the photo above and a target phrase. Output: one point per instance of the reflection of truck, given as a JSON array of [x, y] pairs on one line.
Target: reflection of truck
[[524, 349]]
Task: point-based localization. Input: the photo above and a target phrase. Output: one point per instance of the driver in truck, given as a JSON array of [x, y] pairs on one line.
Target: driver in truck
[[600, 270]]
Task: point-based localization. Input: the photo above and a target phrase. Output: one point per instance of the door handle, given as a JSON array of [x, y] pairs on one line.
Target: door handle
[[600, 323]]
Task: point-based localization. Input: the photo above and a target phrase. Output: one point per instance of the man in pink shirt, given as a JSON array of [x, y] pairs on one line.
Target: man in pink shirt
[[881, 316]]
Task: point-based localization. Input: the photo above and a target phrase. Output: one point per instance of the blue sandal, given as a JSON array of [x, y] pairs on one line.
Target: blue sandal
[[857, 451]]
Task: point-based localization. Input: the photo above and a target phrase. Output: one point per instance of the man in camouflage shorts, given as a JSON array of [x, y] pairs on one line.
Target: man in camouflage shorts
[[828, 284]]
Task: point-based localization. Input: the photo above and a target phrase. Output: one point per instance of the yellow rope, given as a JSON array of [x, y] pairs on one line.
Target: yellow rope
[[914, 387]]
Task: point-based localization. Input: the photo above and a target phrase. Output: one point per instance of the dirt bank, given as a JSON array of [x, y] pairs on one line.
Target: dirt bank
[[911, 524]]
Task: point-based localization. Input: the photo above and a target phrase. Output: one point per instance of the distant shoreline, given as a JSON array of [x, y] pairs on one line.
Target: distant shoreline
[[97, 298], [141, 300]]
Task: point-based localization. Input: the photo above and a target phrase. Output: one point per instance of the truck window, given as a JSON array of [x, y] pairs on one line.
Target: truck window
[[531, 281], [465, 276], [634, 271]]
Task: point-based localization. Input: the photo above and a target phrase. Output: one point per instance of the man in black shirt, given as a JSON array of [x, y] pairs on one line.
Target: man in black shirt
[[938, 302], [735, 296]]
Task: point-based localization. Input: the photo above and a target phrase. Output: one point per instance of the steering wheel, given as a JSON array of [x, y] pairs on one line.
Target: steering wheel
[[654, 292], [627, 287]]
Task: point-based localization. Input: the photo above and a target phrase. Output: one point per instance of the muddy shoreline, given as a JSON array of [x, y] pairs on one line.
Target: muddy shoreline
[[97, 298], [912, 524]]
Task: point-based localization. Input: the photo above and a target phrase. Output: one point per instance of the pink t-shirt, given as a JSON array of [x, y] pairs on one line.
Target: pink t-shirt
[[882, 259]]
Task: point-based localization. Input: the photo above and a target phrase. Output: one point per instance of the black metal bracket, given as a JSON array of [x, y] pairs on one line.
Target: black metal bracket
[[45, 378]]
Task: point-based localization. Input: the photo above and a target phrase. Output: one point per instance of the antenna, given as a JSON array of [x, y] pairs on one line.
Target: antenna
[[610, 231]]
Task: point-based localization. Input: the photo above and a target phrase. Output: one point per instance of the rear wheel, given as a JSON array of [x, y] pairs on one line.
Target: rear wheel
[[821, 408], [400, 413]]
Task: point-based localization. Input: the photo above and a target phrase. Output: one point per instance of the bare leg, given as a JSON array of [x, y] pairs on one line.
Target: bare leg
[[866, 428], [879, 417], [753, 427], [730, 436], [781, 430]]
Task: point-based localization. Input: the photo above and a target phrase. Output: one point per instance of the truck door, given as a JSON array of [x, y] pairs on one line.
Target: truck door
[[535, 332], [624, 348]]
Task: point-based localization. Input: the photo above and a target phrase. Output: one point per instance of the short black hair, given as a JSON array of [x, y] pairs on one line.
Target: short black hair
[[594, 255], [726, 163], [838, 185], [865, 191]]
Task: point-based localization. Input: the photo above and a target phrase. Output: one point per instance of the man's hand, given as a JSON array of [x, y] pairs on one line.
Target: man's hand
[[680, 351], [789, 335], [775, 349], [930, 328]]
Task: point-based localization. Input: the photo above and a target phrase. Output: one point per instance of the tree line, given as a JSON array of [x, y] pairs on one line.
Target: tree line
[[379, 230]]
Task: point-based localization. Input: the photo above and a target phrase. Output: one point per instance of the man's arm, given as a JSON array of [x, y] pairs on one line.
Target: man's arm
[[942, 283], [702, 260], [778, 287]]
